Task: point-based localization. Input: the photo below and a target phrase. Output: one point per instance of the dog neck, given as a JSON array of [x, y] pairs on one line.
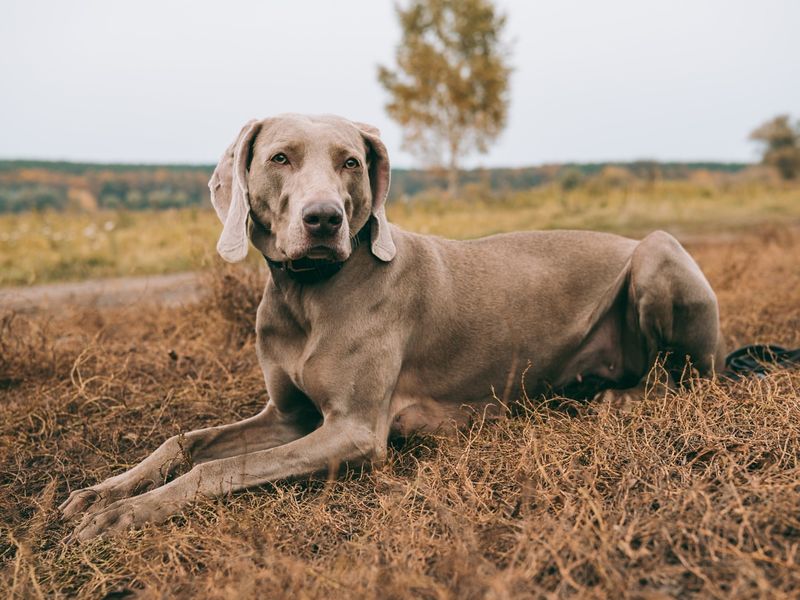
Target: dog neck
[[308, 271]]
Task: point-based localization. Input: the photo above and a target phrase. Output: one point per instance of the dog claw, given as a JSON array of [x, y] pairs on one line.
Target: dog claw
[[85, 502], [78, 501], [95, 525], [120, 516]]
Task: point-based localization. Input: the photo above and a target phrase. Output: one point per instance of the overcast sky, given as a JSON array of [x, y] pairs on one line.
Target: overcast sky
[[172, 81]]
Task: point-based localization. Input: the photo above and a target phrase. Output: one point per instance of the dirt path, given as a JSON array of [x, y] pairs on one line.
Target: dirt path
[[170, 290]]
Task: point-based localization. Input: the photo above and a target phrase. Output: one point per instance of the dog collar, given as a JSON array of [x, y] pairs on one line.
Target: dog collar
[[312, 270]]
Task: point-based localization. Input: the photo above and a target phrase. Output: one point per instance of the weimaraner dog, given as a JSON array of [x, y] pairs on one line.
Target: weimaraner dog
[[366, 331]]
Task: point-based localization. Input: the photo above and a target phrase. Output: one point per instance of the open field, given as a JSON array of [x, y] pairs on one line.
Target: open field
[[58, 246], [695, 493]]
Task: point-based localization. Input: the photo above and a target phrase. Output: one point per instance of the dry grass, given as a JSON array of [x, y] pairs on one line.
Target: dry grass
[[689, 494]]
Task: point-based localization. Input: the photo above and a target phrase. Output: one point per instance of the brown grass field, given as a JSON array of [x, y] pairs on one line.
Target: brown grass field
[[695, 493]]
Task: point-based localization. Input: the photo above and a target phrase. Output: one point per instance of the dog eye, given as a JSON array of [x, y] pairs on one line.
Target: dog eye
[[351, 163], [280, 158]]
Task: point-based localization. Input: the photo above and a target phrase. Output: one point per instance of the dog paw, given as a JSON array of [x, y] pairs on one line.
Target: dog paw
[[622, 401], [122, 515], [115, 519], [97, 497], [80, 501]]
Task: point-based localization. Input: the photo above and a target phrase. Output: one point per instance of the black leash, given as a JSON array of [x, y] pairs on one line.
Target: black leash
[[759, 360]]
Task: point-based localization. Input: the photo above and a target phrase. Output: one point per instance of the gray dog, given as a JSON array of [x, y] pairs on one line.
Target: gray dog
[[366, 330]]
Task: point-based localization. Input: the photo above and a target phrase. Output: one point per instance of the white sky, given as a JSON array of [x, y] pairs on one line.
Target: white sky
[[172, 81]]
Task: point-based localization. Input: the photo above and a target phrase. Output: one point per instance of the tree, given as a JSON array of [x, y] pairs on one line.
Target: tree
[[450, 89], [781, 145]]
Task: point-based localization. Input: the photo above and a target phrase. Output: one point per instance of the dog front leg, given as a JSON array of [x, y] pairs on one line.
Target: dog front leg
[[267, 429], [340, 441]]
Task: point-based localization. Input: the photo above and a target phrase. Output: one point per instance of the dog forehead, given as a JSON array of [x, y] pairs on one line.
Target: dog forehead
[[324, 131]]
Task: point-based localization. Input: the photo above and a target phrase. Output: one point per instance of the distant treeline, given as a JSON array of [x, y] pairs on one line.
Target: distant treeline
[[40, 185]]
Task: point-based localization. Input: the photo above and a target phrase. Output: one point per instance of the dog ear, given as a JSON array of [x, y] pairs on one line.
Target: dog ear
[[230, 196], [379, 179]]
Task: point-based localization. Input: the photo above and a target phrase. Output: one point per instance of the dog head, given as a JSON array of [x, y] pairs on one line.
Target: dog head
[[308, 184]]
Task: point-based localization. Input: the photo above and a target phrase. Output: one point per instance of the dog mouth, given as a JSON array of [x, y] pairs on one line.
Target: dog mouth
[[322, 253], [320, 250]]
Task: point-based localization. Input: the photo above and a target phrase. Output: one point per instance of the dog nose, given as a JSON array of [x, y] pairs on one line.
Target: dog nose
[[322, 219]]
